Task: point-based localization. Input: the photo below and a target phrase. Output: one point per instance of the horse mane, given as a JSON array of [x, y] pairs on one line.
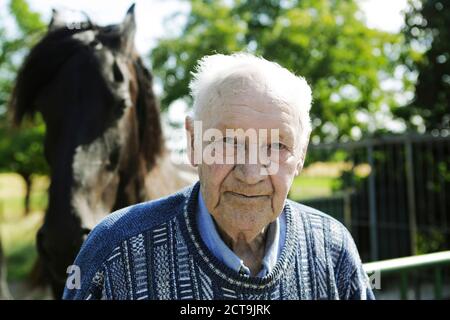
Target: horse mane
[[39, 68]]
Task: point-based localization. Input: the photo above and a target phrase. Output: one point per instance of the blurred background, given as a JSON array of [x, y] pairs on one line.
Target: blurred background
[[379, 157]]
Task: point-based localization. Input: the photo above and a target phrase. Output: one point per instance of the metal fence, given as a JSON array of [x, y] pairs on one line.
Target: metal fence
[[410, 271], [401, 207]]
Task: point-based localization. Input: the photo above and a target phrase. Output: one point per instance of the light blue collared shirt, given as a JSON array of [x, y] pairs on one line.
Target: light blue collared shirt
[[274, 242]]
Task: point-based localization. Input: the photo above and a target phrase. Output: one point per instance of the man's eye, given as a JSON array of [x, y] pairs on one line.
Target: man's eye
[[277, 146]]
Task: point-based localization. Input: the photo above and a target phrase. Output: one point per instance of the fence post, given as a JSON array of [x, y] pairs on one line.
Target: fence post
[[437, 283], [411, 201], [372, 206], [403, 285]]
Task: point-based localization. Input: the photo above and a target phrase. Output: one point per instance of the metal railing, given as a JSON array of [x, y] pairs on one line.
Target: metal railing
[[403, 266]]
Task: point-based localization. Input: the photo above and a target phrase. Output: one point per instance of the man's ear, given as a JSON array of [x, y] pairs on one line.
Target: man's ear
[[299, 166], [189, 126], [302, 157]]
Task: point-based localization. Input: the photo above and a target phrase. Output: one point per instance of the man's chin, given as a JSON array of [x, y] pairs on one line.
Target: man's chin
[[251, 206]]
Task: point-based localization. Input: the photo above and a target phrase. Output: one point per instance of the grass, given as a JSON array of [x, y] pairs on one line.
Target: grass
[[307, 187], [19, 245], [18, 231], [317, 180]]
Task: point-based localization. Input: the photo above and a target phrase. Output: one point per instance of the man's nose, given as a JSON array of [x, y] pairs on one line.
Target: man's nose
[[249, 173]]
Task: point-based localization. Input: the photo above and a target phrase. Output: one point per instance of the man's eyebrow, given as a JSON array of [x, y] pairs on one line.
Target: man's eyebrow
[[286, 135], [288, 142]]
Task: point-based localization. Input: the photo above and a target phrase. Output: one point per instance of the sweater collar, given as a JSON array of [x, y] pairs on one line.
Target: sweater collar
[[199, 249]]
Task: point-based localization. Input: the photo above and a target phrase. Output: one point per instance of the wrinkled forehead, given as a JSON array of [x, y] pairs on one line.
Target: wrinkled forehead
[[250, 95]]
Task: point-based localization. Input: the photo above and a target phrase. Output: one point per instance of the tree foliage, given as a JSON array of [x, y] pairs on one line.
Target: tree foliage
[[325, 41], [427, 35]]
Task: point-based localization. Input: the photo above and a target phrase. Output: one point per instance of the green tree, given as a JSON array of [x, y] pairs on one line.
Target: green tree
[[427, 34], [21, 151], [324, 41]]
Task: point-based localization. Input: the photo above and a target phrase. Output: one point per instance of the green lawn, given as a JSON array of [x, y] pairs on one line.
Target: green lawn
[[19, 245], [318, 179], [18, 231], [307, 187]]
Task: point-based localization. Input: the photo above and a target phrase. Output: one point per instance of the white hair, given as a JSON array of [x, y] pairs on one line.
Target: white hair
[[289, 88]]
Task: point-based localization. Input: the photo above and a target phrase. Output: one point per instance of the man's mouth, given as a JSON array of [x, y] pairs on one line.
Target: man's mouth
[[248, 196]]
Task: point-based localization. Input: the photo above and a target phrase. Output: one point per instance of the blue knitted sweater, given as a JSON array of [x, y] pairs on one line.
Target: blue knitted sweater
[[153, 250]]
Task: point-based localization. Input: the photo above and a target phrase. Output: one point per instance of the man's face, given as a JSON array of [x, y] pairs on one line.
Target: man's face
[[242, 197]]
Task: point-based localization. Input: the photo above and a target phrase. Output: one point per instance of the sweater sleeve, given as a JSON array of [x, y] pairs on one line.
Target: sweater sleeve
[[85, 288], [96, 288], [87, 281], [353, 282], [359, 287]]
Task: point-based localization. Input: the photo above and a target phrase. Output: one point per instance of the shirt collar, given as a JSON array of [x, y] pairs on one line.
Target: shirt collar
[[210, 236]]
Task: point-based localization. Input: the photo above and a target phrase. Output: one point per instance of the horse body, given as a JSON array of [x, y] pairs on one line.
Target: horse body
[[104, 141]]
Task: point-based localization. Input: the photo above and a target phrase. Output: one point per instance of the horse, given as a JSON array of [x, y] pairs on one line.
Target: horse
[[104, 141]]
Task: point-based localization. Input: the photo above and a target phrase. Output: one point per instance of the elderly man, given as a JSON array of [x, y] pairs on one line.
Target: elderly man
[[233, 234]]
